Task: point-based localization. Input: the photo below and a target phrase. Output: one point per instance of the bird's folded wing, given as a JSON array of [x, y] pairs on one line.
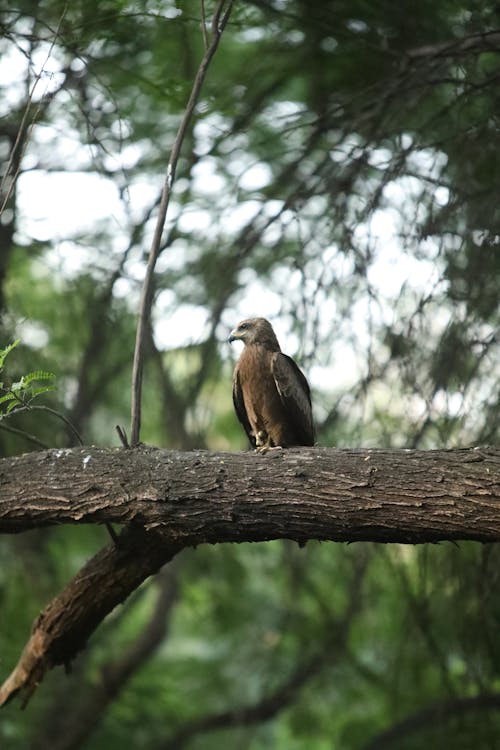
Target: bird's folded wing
[[295, 395]]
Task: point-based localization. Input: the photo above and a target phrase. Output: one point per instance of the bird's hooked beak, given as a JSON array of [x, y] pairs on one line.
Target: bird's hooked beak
[[233, 336]]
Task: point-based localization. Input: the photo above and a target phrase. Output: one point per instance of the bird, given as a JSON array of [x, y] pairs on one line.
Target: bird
[[271, 395]]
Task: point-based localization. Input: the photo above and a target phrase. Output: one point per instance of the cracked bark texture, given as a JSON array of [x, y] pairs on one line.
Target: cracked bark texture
[[169, 500], [194, 497]]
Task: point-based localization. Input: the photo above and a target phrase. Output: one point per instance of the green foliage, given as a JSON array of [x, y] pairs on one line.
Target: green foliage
[[340, 177], [21, 393]]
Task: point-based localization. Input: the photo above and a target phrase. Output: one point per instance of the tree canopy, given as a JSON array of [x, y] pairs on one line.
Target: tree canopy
[[338, 176]]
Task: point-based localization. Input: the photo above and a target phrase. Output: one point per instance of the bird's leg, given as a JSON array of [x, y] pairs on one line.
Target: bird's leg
[[263, 443], [261, 440]]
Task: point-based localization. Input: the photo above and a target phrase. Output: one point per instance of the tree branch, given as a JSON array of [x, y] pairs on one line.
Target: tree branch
[[268, 706], [220, 18], [405, 496], [171, 500], [487, 41], [71, 729], [434, 715], [63, 628]]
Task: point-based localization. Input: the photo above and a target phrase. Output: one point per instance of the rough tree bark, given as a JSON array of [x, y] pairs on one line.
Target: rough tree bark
[[193, 497], [169, 500]]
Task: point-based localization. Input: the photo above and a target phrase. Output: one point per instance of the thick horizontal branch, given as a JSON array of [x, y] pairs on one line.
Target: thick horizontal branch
[[169, 500], [307, 493]]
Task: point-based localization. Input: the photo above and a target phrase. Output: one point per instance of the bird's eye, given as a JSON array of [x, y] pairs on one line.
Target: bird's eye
[[243, 326]]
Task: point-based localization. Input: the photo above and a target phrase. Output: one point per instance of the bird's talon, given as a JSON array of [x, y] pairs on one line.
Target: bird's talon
[[260, 439], [263, 449]]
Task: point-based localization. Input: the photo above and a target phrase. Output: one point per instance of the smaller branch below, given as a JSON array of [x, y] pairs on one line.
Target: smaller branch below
[[432, 716], [170, 500], [67, 622]]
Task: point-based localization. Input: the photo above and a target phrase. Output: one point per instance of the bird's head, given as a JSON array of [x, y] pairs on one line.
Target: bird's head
[[255, 331]]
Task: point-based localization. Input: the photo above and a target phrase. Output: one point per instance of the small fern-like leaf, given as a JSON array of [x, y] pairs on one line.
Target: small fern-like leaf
[[6, 350], [7, 397], [37, 375]]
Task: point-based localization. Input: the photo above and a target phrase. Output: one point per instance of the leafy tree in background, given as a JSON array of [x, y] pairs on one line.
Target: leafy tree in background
[[340, 178]]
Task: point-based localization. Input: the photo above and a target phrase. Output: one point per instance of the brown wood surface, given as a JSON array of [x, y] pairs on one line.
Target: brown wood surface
[[304, 493], [169, 500]]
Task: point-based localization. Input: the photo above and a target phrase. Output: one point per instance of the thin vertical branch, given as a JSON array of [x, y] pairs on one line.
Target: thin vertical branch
[[204, 24], [219, 21], [23, 133]]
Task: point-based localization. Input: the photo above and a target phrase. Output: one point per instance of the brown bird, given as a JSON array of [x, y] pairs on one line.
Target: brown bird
[[271, 395]]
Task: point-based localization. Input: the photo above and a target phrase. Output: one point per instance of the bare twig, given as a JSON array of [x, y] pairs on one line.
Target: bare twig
[[62, 417], [488, 41], [219, 21], [433, 715], [20, 142], [58, 414], [204, 24], [270, 705], [122, 435], [25, 435]]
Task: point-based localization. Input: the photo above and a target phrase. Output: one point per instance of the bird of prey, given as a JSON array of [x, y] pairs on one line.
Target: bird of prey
[[271, 395]]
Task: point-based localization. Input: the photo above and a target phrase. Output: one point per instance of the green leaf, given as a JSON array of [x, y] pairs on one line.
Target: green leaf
[[4, 352], [7, 397], [37, 375]]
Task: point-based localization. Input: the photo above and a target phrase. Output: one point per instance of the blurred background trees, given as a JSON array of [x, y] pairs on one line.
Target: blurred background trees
[[340, 178]]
